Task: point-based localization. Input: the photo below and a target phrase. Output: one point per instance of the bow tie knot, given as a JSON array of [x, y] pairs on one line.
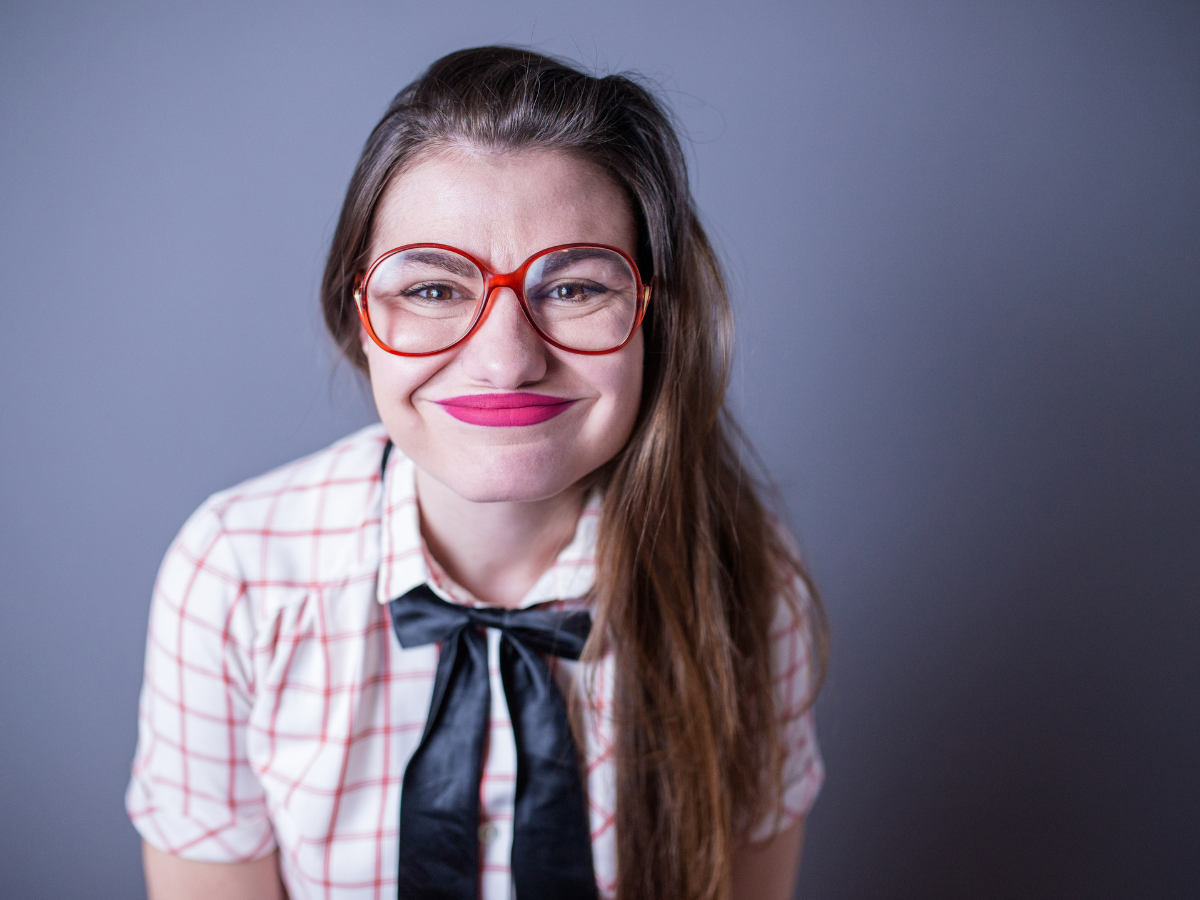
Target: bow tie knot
[[421, 617]]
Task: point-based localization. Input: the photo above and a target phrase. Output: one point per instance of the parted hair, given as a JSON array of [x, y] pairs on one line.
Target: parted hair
[[691, 565]]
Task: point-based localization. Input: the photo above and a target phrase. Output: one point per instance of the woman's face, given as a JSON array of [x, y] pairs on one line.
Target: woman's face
[[501, 209]]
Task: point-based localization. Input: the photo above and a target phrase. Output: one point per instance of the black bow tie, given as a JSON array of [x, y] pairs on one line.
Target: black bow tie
[[439, 803]]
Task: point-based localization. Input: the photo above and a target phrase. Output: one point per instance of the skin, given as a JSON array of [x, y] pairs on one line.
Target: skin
[[173, 878], [768, 870], [496, 504]]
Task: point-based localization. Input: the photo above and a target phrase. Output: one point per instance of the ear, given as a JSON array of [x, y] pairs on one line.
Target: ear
[[365, 340]]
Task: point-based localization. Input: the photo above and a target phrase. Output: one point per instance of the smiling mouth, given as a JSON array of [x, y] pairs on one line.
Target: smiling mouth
[[505, 410]]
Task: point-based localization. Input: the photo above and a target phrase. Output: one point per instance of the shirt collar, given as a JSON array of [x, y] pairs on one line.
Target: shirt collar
[[403, 558]]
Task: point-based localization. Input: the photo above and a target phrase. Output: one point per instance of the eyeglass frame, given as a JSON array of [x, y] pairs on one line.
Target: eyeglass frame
[[492, 280]]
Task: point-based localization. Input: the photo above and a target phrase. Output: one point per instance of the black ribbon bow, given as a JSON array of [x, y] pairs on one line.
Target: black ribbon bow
[[439, 803]]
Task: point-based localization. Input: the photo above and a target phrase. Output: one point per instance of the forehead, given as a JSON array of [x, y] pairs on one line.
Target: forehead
[[502, 207]]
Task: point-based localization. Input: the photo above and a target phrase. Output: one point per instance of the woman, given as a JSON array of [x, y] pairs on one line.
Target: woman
[[361, 675]]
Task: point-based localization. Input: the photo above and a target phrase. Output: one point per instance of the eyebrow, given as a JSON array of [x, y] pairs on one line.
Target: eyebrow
[[559, 260], [451, 262]]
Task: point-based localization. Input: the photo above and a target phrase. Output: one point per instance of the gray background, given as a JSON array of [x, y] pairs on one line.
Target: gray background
[[965, 245]]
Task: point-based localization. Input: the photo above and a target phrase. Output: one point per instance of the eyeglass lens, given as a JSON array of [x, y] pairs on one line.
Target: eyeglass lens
[[425, 298]]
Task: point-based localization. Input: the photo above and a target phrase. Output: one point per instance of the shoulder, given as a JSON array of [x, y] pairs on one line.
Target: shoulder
[[798, 630], [285, 532], [306, 491], [798, 642]]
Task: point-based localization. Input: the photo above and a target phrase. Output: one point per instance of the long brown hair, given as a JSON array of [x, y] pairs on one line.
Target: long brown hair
[[691, 567]]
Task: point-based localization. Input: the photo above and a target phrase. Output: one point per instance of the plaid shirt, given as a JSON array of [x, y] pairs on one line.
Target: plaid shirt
[[279, 710]]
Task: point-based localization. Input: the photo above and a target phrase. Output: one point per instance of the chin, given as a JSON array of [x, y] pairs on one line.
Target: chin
[[498, 474], [519, 486]]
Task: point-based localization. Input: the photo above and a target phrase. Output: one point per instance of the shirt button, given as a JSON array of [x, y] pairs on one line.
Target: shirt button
[[487, 833]]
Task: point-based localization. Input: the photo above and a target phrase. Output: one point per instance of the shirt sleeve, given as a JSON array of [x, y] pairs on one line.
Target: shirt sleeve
[[193, 793], [803, 770]]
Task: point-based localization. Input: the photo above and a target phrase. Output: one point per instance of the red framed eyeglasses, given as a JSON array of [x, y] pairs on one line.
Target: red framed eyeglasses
[[422, 299]]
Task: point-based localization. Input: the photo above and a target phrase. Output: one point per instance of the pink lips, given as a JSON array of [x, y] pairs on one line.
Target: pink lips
[[503, 410]]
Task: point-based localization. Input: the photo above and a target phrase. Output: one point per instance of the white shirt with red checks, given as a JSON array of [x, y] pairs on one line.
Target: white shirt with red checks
[[279, 710]]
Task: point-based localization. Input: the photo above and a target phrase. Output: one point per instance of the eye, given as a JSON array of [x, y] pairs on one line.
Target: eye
[[433, 293], [573, 291]]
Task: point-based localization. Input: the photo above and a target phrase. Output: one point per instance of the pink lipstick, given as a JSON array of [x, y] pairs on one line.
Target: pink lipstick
[[505, 410]]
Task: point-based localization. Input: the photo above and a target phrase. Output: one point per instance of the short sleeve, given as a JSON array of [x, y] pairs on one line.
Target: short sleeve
[[193, 793], [803, 771]]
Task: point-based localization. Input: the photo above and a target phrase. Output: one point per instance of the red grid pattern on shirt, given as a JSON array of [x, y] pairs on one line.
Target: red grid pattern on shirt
[[279, 710]]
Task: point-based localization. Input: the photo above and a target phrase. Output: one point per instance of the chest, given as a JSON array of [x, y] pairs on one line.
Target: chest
[[339, 708]]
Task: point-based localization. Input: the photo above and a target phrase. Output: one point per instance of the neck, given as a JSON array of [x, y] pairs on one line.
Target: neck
[[497, 551]]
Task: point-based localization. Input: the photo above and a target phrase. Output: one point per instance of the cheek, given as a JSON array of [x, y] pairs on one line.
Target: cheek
[[394, 379], [621, 382]]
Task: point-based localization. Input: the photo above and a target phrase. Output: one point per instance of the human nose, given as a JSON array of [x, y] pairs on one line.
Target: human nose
[[504, 351]]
